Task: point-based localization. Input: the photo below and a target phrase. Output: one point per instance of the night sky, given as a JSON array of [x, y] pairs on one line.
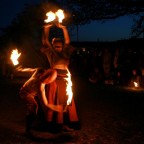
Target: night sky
[[110, 30]]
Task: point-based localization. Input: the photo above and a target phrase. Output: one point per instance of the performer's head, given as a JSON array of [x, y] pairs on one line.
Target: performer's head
[[57, 44], [45, 75], [38, 72]]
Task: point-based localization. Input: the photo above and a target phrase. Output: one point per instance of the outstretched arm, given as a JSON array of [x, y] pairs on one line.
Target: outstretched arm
[[45, 35]]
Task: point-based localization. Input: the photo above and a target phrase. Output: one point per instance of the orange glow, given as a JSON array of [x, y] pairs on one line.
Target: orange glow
[[60, 15], [69, 88], [14, 57], [52, 16], [135, 84]]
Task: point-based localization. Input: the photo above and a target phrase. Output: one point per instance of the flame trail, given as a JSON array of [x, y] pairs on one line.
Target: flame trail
[[69, 88]]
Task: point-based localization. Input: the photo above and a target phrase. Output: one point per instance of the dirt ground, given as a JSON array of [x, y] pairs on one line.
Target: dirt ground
[[108, 115]]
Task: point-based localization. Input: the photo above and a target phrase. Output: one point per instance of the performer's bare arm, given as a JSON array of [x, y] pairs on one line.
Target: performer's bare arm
[[45, 103], [45, 35], [25, 69], [48, 77]]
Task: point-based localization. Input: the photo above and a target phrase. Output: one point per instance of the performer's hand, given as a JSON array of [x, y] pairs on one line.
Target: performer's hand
[[65, 108], [58, 108], [59, 25]]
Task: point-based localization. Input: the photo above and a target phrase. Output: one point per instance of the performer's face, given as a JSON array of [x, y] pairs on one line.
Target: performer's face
[[58, 46]]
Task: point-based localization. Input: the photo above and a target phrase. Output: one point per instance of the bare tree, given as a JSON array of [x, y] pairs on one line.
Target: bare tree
[[84, 11], [78, 12]]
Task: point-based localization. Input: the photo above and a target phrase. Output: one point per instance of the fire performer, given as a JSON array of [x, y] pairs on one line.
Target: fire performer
[[32, 92], [58, 53]]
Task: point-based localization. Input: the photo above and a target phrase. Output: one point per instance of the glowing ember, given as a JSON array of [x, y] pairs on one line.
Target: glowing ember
[[69, 88], [60, 15], [50, 17], [14, 57], [135, 84]]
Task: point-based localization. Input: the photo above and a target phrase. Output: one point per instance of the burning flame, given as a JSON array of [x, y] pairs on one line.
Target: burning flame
[[52, 16], [60, 15], [69, 88], [14, 56], [135, 84]]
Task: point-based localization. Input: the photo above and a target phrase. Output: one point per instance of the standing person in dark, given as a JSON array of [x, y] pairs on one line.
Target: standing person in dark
[[58, 53]]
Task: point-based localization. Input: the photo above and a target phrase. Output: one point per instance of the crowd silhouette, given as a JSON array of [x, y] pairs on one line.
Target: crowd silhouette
[[104, 65], [117, 66]]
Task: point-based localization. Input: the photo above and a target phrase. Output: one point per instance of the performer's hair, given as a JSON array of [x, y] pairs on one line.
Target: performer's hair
[[38, 72]]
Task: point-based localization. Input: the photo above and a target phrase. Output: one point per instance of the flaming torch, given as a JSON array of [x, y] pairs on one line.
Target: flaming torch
[[52, 16], [14, 57], [69, 92], [60, 15], [135, 84]]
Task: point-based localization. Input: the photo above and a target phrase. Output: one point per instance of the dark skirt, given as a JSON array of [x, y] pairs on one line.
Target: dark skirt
[[56, 94]]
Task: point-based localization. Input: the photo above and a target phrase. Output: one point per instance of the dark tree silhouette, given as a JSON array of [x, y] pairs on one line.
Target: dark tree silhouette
[[101, 10], [26, 27]]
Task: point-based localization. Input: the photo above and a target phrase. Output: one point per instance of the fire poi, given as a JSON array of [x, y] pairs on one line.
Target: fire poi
[[14, 57], [69, 88], [51, 16], [136, 84]]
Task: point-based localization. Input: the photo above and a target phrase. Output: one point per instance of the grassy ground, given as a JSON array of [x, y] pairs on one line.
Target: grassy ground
[[108, 115]]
